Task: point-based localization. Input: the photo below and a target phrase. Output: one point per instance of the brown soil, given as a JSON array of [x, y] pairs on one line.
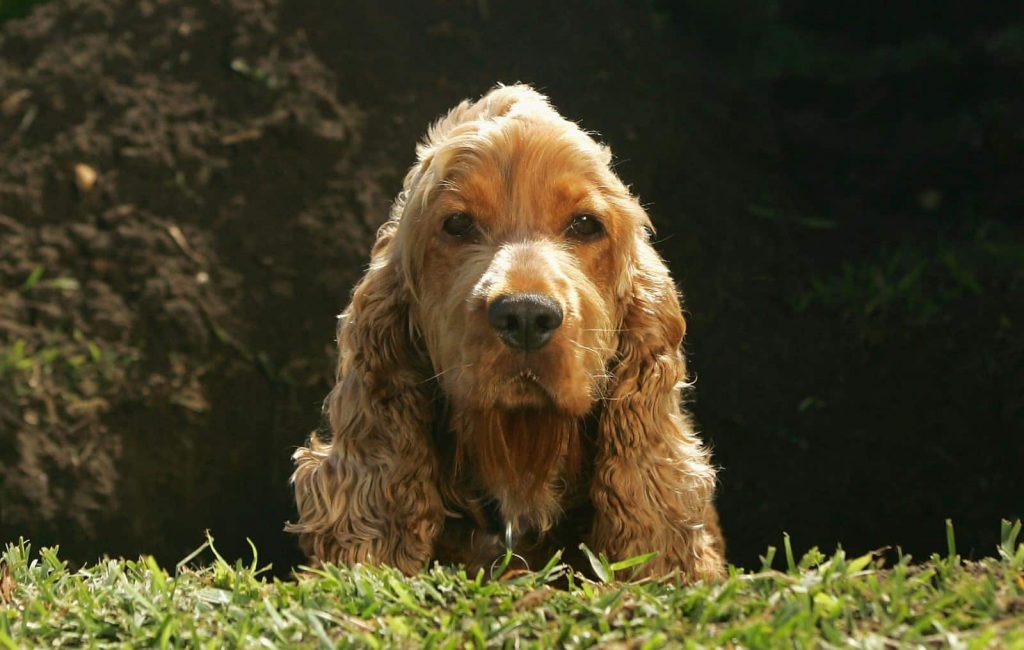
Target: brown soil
[[176, 341]]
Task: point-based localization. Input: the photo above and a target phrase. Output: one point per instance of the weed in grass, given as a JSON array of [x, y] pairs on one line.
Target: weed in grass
[[819, 601]]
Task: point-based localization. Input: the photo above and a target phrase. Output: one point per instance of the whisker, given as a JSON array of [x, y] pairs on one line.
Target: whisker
[[602, 382], [444, 372], [437, 376], [585, 347], [601, 352]]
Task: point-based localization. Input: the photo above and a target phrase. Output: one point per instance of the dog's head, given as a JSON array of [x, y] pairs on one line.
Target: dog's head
[[516, 241], [516, 275]]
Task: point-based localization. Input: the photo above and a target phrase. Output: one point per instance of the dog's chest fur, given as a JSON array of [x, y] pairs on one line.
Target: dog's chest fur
[[525, 474]]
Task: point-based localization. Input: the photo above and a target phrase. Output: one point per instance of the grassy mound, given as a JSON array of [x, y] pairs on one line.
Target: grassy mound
[[818, 601]]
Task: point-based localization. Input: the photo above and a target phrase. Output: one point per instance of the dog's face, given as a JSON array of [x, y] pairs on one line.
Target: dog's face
[[519, 252]]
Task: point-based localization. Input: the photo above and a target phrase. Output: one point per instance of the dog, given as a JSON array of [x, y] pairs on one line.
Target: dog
[[510, 372]]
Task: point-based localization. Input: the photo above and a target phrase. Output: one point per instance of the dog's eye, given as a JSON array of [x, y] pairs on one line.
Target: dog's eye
[[461, 226], [585, 227]]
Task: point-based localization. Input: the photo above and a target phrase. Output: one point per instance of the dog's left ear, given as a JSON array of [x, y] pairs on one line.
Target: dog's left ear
[[653, 482]]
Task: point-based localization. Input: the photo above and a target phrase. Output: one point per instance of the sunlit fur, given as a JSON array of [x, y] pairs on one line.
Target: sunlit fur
[[433, 417]]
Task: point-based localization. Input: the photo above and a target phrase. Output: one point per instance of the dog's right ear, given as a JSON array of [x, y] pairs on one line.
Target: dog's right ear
[[371, 495]]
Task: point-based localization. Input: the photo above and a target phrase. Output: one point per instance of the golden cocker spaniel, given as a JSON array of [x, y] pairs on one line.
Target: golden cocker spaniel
[[510, 367]]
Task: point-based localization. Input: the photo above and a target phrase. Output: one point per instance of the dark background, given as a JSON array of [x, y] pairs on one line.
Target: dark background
[[837, 188]]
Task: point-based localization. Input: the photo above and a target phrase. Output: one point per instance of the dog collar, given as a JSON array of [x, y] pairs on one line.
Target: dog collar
[[510, 539]]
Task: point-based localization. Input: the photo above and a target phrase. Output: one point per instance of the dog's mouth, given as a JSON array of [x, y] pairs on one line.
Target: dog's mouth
[[500, 378], [525, 389], [527, 376]]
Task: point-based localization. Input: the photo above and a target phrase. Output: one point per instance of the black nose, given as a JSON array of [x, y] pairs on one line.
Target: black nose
[[525, 320]]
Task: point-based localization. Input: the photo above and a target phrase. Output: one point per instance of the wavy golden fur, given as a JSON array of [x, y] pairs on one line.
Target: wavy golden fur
[[446, 428]]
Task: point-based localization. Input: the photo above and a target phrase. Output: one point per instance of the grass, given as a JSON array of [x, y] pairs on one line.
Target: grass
[[817, 602], [54, 377], [15, 8], [919, 284]]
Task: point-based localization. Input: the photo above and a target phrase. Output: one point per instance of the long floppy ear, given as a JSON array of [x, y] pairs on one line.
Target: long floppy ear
[[371, 494], [653, 483]]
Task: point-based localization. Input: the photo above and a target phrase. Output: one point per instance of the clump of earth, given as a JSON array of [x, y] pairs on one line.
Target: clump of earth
[[181, 216]]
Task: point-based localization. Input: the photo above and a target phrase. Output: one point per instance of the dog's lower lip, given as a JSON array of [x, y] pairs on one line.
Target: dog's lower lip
[[528, 378], [525, 388]]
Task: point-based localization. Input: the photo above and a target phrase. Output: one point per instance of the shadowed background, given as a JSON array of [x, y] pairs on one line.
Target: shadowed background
[[189, 190]]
